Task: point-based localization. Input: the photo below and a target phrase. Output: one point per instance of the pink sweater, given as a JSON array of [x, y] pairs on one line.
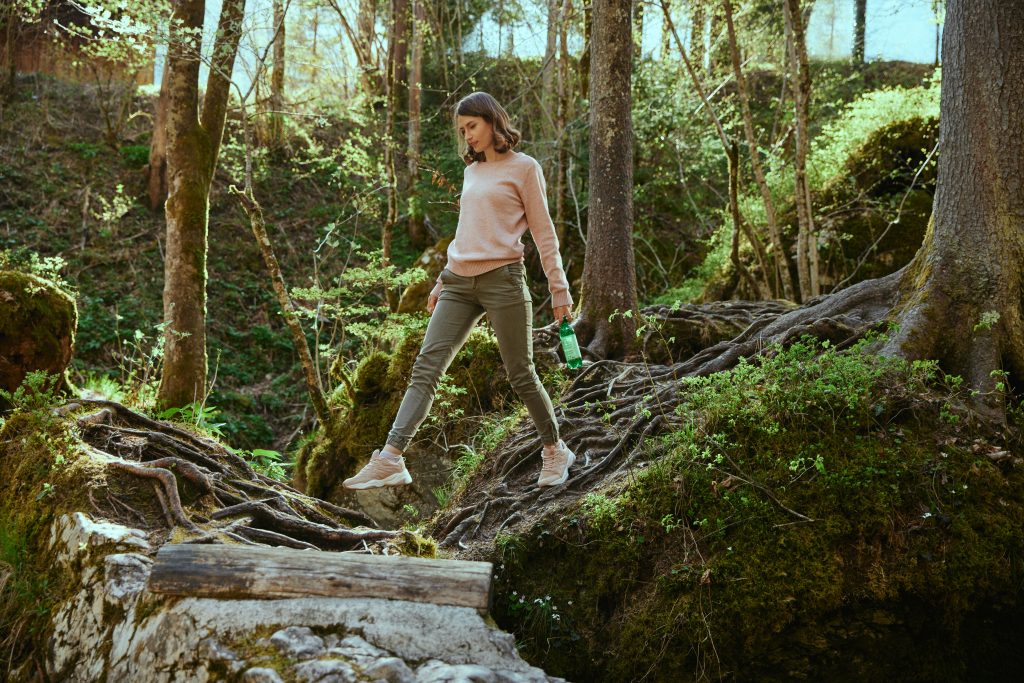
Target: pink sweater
[[500, 200]]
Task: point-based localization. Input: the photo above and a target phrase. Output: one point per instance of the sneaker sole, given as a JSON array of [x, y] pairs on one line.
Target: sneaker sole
[[396, 479], [565, 475]]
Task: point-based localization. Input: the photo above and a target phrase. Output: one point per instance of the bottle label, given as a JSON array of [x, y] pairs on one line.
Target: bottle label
[[571, 347]]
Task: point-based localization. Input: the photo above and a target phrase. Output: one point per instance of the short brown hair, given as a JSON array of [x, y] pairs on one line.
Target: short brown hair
[[486, 107]]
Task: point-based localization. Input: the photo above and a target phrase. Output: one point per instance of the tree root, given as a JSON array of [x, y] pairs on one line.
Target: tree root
[[613, 409], [199, 482]]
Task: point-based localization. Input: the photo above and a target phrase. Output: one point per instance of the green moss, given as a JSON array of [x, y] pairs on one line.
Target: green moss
[[705, 564], [44, 475], [379, 383], [37, 326]]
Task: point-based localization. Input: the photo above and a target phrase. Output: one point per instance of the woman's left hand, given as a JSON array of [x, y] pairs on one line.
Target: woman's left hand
[[561, 312]]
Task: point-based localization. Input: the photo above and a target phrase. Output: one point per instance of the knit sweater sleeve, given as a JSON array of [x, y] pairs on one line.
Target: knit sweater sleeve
[[535, 201]]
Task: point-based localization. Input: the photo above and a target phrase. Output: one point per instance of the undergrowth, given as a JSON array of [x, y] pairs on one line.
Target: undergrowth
[[817, 512]]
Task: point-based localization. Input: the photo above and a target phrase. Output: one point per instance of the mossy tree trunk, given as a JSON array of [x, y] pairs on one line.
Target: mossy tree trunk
[[193, 143], [962, 293], [959, 300], [609, 276]]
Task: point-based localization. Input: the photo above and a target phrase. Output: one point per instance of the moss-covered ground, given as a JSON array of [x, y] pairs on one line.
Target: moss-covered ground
[[822, 515]]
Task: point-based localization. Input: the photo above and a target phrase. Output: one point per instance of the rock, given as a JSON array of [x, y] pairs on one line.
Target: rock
[[414, 298], [112, 628], [78, 533], [354, 647], [439, 672], [37, 328], [298, 641], [261, 675], [325, 671], [390, 670]]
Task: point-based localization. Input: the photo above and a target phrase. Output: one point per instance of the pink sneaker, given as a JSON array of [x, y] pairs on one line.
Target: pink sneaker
[[555, 469], [379, 472]]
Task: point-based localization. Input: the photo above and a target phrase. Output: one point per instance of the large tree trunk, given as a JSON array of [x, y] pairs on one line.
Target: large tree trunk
[[963, 291], [156, 169], [959, 301], [609, 277], [192, 148], [859, 25]]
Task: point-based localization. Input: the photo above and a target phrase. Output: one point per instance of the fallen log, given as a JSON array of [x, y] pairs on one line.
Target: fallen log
[[245, 572]]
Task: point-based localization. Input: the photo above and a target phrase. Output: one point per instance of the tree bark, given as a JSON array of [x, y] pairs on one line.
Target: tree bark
[[859, 24], [962, 293], [275, 124], [418, 233], [807, 241], [588, 37], [959, 300], [193, 144], [562, 114], [609, 276], [156, 169], [782, 273]]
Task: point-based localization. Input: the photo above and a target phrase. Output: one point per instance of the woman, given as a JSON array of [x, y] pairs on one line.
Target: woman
[[503, 195]]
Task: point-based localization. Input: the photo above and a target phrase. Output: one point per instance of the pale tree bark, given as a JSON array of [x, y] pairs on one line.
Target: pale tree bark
[[156, 169], [562, 115], [783, 280], [807, 240], [609, 276], [371, 79], [638, 29], [193, 143], [732, 159], [859, 30], [959, 300], [275, 122]]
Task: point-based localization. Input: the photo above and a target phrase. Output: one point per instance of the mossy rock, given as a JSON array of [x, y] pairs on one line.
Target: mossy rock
[[898, 556], [37, 328], [433, 259], [379, 384]]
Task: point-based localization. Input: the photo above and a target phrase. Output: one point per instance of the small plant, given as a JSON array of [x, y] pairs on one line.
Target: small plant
[[266, 462], [199, 416], [36, 392], [112, 210]]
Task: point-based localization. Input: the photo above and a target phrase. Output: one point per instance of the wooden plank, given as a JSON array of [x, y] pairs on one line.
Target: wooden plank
[[229, 571]]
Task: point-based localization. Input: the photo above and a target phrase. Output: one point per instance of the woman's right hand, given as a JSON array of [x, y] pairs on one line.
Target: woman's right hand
[[432, 298]]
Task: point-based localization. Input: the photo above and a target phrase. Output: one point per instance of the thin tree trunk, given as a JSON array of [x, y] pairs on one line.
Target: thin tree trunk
[[859, 30], [192, 148], [638, 30], [561, 117], [275, 127], [727, 146], [390, 144], [807, 242], [697, 26], [609, 276], [586, 57], [156, 169], [417, 225], [782, 273]]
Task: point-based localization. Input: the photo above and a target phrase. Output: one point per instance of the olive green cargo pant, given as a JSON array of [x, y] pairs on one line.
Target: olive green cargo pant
[[503, 295]]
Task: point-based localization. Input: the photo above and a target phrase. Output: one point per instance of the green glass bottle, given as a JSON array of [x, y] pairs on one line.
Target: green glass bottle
[[570, 346]]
